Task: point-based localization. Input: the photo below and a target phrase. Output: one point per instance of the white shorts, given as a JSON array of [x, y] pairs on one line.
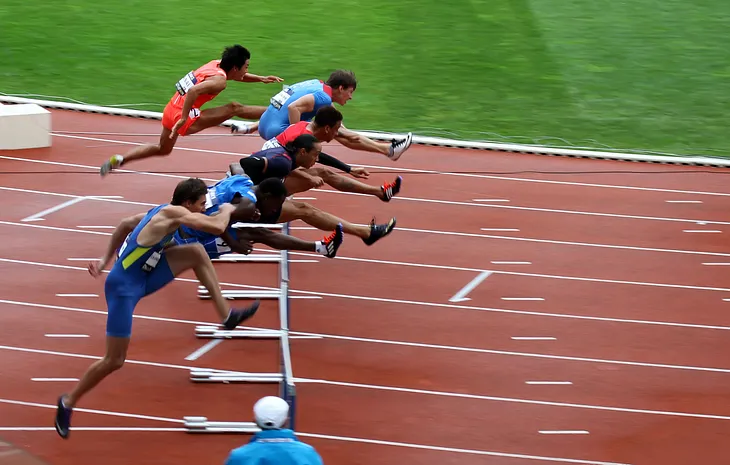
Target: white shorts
[[271, 144]]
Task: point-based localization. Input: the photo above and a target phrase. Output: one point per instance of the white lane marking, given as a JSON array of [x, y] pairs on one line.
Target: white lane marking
[[523, 298], [403, 343], [511, 263], [549, 383], [77, 295], [471, 285], [400, 198], [468, 175], [425, 231], [415, 391], [701, 231], [534, 338], [563, 432], [489, 200], [501, 229], [716, 264], [203, 350], [87, 410], [96, 428], [40, 215], [54, 379], [67, 335], [683, 201], [419, 303]]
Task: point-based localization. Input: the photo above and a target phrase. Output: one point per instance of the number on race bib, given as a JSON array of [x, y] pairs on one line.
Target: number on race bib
[[208, 201], [186, 83], [280, 99]]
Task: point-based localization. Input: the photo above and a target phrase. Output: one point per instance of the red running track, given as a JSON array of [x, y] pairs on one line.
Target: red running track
[[392, 371]]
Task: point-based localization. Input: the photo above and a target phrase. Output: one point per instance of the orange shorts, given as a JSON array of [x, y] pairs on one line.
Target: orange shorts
[[172, 115]]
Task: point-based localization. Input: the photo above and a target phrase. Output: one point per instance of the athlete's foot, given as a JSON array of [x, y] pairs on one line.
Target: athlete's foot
[[329, 246], [397, 147], [236, 317], [391, 189], [114, 162], [379, 231], [63, 418], [241, 128]]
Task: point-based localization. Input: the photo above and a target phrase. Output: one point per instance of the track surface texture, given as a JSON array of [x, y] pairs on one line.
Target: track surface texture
[[600, 315]]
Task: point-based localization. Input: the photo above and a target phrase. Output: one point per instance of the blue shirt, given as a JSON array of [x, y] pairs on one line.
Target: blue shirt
[[224, 191], [274, 447], [278, 110]]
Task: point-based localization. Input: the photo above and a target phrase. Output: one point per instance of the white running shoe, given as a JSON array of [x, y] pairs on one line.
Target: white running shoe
[[397, 147], [240, 127]]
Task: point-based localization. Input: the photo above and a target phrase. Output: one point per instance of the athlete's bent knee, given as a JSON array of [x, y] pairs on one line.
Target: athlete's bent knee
[[114, 363]]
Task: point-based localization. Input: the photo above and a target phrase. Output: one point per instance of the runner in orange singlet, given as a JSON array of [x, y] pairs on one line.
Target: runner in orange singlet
[[182, 115]]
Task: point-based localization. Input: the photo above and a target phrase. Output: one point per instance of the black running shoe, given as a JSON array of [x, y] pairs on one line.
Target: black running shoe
[[63, 418], [378, 231], [236, 317], [333, 242], [391, 189]]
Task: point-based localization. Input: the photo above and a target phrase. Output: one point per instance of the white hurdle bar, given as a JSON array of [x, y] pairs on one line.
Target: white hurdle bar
[[284, 377]]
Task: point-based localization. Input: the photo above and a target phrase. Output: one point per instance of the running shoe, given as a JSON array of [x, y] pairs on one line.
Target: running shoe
[[236, 317], [114, 162], [391, 189], [397, 147], [240, 127], [378, 231], [63, 418], [332, 243]]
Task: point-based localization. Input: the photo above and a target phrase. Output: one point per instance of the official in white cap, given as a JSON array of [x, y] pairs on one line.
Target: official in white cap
[[274, 443]]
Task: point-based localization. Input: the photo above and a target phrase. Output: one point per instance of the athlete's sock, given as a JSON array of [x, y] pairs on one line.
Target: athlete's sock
[[320, 248]]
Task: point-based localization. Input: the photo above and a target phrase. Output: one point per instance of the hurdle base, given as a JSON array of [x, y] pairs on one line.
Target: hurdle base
[[203, 425], [203, 375], [236, 294], [213, 332]]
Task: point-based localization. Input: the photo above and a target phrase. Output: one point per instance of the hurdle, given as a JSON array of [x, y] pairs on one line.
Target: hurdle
[[284, 377]]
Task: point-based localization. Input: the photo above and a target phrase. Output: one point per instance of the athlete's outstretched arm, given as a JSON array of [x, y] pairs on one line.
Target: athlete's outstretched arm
[[276, 240], [249, 77], [121, 232], [299, 106], [214, 224]]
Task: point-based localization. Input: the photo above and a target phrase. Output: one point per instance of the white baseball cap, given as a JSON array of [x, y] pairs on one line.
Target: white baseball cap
[[270, 412]]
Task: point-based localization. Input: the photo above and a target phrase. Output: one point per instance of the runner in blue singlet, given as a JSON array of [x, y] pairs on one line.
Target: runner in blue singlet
[[144, 263], [268, 197]]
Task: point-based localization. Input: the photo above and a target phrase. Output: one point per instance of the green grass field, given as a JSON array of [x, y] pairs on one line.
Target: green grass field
[[641, 74]]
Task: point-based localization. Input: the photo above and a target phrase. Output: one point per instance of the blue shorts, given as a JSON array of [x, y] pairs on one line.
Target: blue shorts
[[271, 125], [123, 293]]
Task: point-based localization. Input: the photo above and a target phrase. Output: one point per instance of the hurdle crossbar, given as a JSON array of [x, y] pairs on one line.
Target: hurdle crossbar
[[284, 377]]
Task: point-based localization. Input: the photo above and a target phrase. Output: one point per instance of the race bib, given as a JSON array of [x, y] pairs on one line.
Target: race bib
[[186, 83], [210, 200], [278, 100], [151, 262]]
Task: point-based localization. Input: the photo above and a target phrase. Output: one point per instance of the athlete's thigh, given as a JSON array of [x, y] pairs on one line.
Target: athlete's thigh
[[181, 258], [291, 210], [120, 311], [295, 184], [122, 293], [160, 277], [211, 117]]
